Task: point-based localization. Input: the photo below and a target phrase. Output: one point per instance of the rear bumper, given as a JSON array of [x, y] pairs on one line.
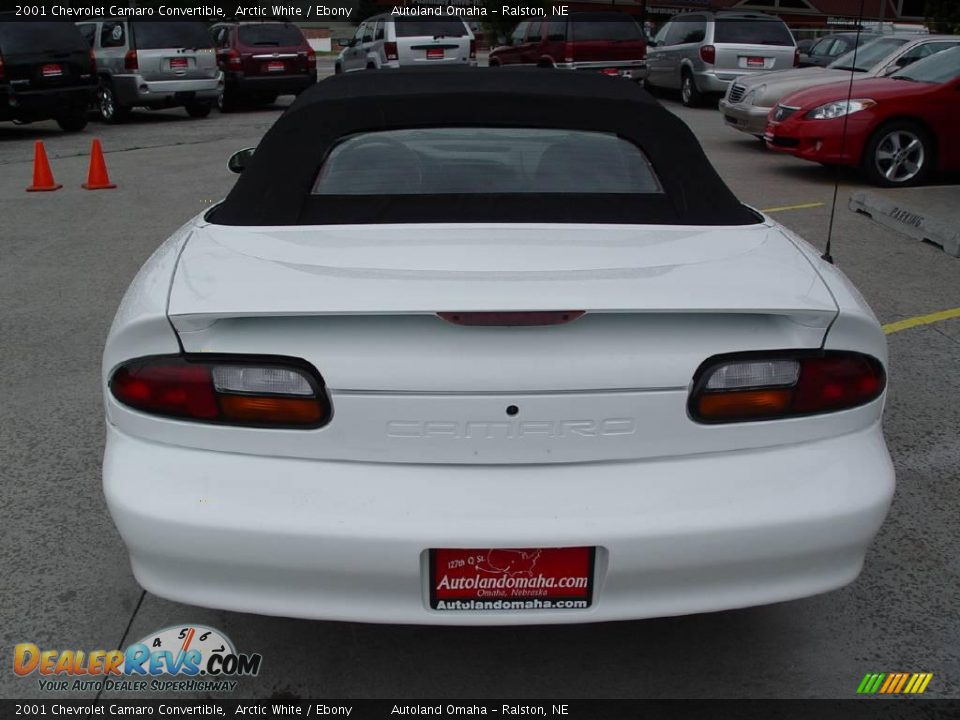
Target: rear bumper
[[750, 119], [43, 104], [348, 540], [269, 84], [629, 68], [134, 90]]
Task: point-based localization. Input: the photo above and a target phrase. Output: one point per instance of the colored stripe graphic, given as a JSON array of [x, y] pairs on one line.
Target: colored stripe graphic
[[894, 683]]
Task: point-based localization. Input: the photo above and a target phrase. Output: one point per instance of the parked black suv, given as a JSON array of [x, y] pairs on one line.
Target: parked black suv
[[46, 72]]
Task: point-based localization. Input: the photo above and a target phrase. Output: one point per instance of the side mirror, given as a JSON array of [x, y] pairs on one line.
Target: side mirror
[[239, 160], [344, 42]]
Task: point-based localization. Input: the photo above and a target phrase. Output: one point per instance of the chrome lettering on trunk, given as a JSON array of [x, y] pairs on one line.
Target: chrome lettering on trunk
[[510, 430]]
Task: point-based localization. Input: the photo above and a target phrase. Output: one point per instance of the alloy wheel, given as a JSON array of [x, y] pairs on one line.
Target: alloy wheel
[[900, 156]]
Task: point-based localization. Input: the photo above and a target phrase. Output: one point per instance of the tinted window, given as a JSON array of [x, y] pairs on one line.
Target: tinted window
[[940, 68], [868, 55], [557, 30], [441, 161], [519, 32], [20, 37], [89, 32], [533, 32], [617, 30], [269, 34], [112, 34], [156, 35], [414, 27], [694, 30], [752, 32]]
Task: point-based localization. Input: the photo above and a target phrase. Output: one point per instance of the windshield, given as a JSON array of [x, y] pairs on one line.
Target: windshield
[[868, 55], [270, 34], [940, 68], [752, 32], [440, 161], [157, 35], [413, 27]]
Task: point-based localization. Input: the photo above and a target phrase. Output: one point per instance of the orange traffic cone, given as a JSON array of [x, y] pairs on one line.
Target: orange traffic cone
[[42, 176], [97, 178]]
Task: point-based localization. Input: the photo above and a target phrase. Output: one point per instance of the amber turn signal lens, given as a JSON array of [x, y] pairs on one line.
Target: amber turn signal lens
[[749, 403], [274, 410]]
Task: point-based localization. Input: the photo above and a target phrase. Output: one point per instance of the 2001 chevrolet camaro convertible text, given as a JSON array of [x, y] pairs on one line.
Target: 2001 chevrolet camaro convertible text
[[491, 349]]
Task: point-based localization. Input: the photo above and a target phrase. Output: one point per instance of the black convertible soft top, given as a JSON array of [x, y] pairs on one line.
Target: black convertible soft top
[[275, 188]]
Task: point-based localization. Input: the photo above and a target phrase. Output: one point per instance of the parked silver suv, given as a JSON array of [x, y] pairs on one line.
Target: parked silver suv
[[154, 65], [385, 41], [701, 53]]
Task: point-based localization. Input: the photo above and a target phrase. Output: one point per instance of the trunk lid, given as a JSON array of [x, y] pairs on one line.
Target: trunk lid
[[272, 49], [44, 56], [360, 304], [174, 51]]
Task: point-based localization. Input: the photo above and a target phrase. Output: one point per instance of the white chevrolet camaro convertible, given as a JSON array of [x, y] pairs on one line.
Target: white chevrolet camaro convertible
[[491, 348]]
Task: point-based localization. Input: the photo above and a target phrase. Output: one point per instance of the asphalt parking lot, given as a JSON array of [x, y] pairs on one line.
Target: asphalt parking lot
[[66, 259]]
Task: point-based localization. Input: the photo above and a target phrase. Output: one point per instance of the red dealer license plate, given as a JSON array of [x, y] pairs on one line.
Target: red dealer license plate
[[276, 66], [51, 70], [178, 63], [755, 62], [435, 54], [512, 579]]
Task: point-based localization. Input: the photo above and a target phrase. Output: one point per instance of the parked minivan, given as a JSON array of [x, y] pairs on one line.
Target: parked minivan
[[154, 65], [262, 60], [385, 41], [46, 72], [609, 42], [701, 53]]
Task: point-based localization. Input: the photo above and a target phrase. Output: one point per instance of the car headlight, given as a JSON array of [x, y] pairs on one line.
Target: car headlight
[[749, 98], [839, 108]]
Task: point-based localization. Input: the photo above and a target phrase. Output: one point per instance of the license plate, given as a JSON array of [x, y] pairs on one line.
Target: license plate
[[276, 66], [51, 70], [511, 579], [178, 63], [435, 54], [755, 62]]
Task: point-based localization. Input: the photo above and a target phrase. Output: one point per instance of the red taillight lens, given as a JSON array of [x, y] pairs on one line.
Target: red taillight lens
[[3, 72], [796, 57], [93, 64], [753, 387], [473, 49], [232, 58], [311, 56], [130, 61], [708, 53], [390, 50], [231, 391]]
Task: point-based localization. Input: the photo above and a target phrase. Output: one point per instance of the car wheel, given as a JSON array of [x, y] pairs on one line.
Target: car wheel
[[689, 93], [110, 109], [198, 110], [74, 121], [899, 154]]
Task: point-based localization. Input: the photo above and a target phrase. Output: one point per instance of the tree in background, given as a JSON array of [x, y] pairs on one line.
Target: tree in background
[[943, 16]]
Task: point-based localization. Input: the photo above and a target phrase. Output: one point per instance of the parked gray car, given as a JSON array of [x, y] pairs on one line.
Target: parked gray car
[[701, 53], [385, 41], [154, 65], [750, 100]]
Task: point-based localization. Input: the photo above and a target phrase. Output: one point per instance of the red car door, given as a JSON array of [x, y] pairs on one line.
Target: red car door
[[531, 51]]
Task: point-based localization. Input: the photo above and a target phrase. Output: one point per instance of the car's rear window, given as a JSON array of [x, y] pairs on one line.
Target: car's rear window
[[442, 161], [157, 35], [272, 35], [413, 27], [940, 68], [752, 32], [614, 28], [39, 37]]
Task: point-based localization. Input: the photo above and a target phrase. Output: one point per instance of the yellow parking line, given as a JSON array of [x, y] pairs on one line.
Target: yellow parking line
[[804, 206], [913, 322]]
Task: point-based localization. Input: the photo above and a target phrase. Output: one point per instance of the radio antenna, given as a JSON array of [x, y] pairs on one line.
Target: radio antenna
[[827, 255]]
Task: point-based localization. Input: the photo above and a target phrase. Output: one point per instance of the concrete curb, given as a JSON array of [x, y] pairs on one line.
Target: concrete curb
[[913, 223]]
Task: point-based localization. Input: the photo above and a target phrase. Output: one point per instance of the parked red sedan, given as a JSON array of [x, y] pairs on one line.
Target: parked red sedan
[[898, 129]]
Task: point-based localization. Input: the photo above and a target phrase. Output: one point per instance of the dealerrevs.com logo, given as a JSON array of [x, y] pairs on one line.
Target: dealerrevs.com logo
[[180, 658]]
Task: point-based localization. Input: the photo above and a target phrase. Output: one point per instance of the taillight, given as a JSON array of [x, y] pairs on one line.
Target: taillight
[[796, 57], [473, 49], [269, 393], [390, 50], [130, 61], [311, 56], [568, 52], [3, 72], [93, 64], [757, 387], [708, 53], [232, 58]]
